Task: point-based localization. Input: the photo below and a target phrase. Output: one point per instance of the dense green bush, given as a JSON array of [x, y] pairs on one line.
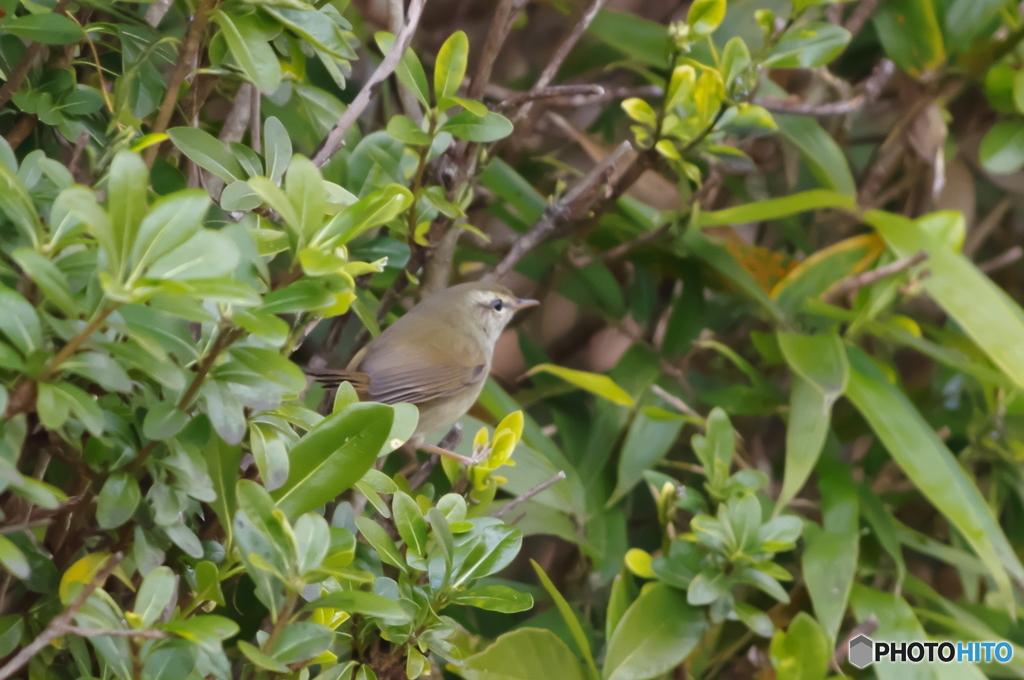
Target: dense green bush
[[769, 402]]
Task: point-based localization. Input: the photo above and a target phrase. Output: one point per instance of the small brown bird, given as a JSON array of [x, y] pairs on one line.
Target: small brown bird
[[437, 356]]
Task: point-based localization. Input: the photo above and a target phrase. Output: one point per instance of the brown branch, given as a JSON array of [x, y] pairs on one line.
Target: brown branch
[[675, 401], [563, 50], [60, 622], [522, 498], [860, 16], [336, 137], [571, 206], [74, 343], [1002, 261], [17, 76], [858, 281], [22, 129], [223, 341], [186, 57]]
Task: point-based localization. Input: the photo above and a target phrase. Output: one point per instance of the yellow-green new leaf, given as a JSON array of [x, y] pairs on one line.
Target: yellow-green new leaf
[[598, 384], [450, 68]]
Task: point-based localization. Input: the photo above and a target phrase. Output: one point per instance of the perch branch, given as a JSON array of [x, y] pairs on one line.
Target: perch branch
[[336, 137], [1002, 261], [508, 507]]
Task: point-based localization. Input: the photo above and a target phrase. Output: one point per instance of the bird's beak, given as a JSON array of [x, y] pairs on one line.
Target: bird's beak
[[523, 303]]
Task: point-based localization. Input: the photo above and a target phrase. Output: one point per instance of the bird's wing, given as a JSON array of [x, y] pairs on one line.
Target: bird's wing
[[332, 377], [418, 374]]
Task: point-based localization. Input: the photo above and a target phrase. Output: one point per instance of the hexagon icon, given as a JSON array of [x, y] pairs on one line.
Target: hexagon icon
[[861, 651]]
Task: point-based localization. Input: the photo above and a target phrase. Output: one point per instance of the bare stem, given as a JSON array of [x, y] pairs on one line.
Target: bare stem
[[59, 624], [858, 281], [522, 498], [74, 343]]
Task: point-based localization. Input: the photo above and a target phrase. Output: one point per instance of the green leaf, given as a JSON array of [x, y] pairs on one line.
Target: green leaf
[[1002, 148], [410, 523], [127, 186], [647, 441], [802, 652], [56, 400], [896, 623], [990, 317], [207, 151], [48, 277], [495, 599], [19, 322], [301, 641], [966, 20], [830, 553], [48, 28], [641, 39], [117, 500], [641, 111], [819, 151], [775, 208], [489, 128], [409, 71], [911, 35], [368, 604], [155, 594], [373, 210], [569, 617], [240, 196], [11, 628], [250, 49], [277, 148], [170, 222], [305, 190], [206, 254], [655, 635], [379, 539], [490, 553], [222, 462], [203, 628], [814, 44], [13, 559], [406, 131], [821, 373], [450, 68], [704, 16], [260, 659], [598, 384], [933, 469], [333, 456], [532, 653], [16, 203]]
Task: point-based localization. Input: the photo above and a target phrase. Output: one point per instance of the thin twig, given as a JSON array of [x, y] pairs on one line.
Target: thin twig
[[522, 498], [186, 57], [983, 229], [802, 109], [675, 401], [843, 648], [517, 98], [1002, 261], [60, 622], [24, 526], [574, 204], [106, 632], [563, 50], [74, 343], [336, 137], [858, 281]]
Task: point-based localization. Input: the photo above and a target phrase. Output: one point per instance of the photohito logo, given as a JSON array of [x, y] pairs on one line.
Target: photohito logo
[[864, 651]]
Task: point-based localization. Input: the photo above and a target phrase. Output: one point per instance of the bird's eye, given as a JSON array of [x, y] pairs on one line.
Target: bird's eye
[[497, 305]]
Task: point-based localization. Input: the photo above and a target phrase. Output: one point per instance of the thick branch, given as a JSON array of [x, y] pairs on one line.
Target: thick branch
[[336, 137], [504, 17], [60, 623], [571, 206]]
